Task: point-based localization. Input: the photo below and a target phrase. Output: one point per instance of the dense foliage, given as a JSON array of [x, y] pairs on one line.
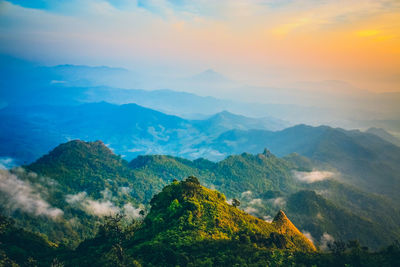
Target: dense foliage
[[98, 179], [189, 225]]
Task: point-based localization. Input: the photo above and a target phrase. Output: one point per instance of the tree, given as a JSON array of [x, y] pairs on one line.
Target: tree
[[235, 203], [193, 179], [141, 213], [337, 247]]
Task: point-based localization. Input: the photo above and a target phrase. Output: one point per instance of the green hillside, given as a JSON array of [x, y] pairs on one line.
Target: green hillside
[[187, 221], [24, 248], [91, 173]]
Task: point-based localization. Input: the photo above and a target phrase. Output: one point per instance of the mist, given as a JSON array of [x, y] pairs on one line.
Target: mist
[[313, 176], [17, 194], [104, 206]]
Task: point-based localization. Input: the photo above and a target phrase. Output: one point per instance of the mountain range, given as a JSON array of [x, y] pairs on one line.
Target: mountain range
[[82, 182], [361, 159], [26, 84]]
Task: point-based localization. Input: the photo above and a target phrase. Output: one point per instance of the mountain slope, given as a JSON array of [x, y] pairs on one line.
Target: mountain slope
[[185, 213], [384, 135], [88, 181], [312, 210], [364, 160]]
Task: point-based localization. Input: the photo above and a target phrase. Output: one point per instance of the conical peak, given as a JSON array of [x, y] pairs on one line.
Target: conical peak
[[280, 216], [283, 224]]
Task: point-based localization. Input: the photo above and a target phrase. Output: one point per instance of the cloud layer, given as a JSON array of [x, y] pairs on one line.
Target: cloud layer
[[17, 194], [312, 177], [102, 207]]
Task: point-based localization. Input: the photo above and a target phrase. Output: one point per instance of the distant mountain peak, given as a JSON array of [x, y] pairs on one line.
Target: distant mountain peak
[[210, 71], [210, 75]]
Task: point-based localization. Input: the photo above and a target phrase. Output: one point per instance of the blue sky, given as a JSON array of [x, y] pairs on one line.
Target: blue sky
[[263, 41]]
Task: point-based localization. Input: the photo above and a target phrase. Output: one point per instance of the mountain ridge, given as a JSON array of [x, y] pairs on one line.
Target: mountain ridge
[[263, 183]]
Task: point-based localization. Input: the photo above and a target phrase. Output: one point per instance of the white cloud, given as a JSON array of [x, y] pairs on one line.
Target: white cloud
[[77, 198], [246, 194], [278, 202], [251, 210], [268, 218], [312, 177], [131, 212], [308, 235], [104, 206], [100, 208], [256, 201], [17, 194], [125, 190], [325, 240]]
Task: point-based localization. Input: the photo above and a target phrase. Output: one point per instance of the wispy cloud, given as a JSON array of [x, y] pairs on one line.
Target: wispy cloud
[[326, 239], [305, 39], [313, 176], [17, 194], [104, 206]]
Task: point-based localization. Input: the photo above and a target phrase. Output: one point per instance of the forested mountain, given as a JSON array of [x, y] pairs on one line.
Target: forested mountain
[[81, 182], [364, 160], [384, 135], [129, 129], [187, 225]]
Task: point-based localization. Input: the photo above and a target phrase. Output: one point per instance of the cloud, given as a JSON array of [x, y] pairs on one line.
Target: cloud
[[79, 31], [246, 194], [125, 190], [131, 212], [312, 177], [77, 198], [256, 201], [278, 202], [251, 210], [17, 194], [102, 207], [268, 218], [308, 235], [325, 240]]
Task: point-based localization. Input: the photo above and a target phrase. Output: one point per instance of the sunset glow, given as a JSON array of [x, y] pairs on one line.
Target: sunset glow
[[261, 41]]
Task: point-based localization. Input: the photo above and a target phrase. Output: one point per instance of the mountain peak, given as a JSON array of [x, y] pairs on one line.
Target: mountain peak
[[210, 75], [281, 218], [284, 226], [69, 162], [204, 214]]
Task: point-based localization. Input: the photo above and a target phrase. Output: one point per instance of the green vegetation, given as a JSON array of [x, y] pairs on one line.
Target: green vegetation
[[263, 184], [189, 225]]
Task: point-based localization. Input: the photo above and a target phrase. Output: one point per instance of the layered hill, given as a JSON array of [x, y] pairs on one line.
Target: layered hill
[[364, 160], [185, 211], [189, 223], [87, 181]]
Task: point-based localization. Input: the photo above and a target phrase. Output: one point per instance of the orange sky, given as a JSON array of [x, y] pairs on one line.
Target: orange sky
[[261, 41]]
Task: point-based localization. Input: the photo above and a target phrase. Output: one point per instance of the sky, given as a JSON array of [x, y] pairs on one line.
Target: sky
[[263, 42]]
